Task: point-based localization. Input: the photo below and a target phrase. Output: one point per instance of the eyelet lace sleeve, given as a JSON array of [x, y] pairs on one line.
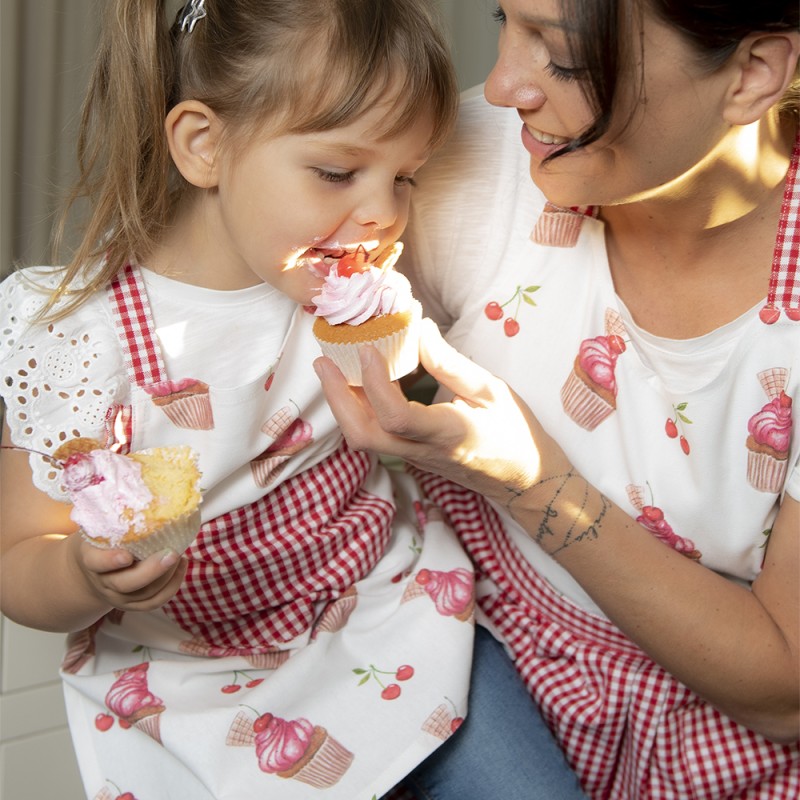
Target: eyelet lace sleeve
[[58, 378]]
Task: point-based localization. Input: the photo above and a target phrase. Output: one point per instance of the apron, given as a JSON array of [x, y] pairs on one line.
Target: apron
[[321, 640], [628, 728]]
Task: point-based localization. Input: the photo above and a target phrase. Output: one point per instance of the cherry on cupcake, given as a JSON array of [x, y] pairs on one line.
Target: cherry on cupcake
[[652, 513], [351, 263], [785, 400], [616, 344], [262, 722]]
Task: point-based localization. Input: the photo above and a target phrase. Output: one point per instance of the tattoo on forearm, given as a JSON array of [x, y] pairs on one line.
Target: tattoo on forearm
[[564, 524]]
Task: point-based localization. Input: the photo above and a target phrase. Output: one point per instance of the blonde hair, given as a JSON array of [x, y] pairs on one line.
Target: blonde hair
[[288, 66]]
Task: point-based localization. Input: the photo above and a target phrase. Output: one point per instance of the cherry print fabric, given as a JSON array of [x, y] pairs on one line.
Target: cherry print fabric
[[696, 440]]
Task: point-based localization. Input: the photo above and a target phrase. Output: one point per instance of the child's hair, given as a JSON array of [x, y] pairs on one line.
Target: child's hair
[[264, 67], [600, 29]]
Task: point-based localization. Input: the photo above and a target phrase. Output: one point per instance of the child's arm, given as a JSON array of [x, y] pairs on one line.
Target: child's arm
[[53, 580]]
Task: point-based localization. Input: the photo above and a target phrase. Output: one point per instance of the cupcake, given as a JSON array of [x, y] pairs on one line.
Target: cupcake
[[452, 592], [336, 613], [185, 402], [365, 302], [769, 433], [589, 394], [298, 750], [560, 227], [131, 700], [143, 502], [295, 437]]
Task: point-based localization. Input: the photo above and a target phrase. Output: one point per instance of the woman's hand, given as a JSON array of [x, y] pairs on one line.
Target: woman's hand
[[485, 438], [116, 579]]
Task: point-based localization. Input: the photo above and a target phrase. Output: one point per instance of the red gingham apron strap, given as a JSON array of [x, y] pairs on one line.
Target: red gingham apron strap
[[784, 284], [134, 324]]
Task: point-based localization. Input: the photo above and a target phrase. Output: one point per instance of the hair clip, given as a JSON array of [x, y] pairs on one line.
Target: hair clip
[[193, 11]]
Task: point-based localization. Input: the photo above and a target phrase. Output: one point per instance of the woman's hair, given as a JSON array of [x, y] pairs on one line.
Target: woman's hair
[[264, 67], [599, 38]]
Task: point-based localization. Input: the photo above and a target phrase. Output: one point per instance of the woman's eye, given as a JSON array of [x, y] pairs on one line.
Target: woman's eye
[[499, 16], [334, 177], [564, 73], [405, 180]]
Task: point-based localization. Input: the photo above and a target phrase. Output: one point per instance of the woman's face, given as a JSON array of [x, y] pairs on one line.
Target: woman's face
[[667, 120]]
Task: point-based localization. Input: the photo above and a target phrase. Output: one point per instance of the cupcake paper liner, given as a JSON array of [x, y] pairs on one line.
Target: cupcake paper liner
[[400, 350], [175, 535], [326, 766], [764, 472], [583, 405], [193, 412], [557, 228]]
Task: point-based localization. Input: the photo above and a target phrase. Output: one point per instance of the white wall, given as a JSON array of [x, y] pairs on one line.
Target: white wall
[[45, 51]]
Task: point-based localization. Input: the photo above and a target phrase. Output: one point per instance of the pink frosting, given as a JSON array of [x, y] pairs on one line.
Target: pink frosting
[[450, 591], [362, 295], [663, 530], [297, 433], [129, 693], [772, 426], [598, 360], [165, 388], [107, 493], [282, 743]]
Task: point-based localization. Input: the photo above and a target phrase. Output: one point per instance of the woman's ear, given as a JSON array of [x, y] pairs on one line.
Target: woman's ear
[[193, 134], [765, 64]]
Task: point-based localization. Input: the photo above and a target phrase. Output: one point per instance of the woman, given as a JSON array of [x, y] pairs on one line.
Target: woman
[[639, 549]]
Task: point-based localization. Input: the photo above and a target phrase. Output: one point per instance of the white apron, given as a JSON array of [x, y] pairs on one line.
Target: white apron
[[321, 641]]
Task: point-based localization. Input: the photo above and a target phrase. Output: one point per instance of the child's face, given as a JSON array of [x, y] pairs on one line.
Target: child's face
[[318, 192]]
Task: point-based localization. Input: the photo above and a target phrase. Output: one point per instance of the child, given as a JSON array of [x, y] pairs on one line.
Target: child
[[286, 652]]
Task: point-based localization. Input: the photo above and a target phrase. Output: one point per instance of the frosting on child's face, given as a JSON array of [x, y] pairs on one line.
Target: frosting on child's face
[[290, 201]]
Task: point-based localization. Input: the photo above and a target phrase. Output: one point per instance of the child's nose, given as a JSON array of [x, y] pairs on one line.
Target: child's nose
[[378, 210]]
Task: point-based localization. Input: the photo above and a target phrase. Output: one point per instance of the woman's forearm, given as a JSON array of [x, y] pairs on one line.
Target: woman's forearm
[[722, 640]]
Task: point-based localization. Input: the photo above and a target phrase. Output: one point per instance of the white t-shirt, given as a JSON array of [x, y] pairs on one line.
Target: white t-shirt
[[472, 261]]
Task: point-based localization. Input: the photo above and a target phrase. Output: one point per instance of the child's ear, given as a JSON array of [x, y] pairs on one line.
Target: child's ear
[[766, 64], [193, 134]]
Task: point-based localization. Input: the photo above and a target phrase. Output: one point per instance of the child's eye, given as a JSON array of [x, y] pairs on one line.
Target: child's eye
[[334, 177], [405, 180]]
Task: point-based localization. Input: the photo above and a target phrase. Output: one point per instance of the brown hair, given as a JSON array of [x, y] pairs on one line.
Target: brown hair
[[251, 62], [715, 28]]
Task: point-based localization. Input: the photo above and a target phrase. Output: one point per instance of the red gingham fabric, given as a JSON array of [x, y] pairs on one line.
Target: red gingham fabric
[[256, 573], [784, 285], [135, 327], [629, 729]]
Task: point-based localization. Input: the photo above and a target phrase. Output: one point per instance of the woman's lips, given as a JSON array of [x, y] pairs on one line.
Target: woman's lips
[[541, 144]]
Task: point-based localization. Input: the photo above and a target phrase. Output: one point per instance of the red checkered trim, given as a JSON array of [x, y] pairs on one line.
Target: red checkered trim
[[135, 327], [629, 729], [256, 574], [784, 285]]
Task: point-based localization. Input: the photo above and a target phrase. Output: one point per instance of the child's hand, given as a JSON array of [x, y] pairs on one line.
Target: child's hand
[[122, 582]]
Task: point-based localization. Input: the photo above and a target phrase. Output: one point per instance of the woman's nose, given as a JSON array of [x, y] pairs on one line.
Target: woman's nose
[[511, 83]]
